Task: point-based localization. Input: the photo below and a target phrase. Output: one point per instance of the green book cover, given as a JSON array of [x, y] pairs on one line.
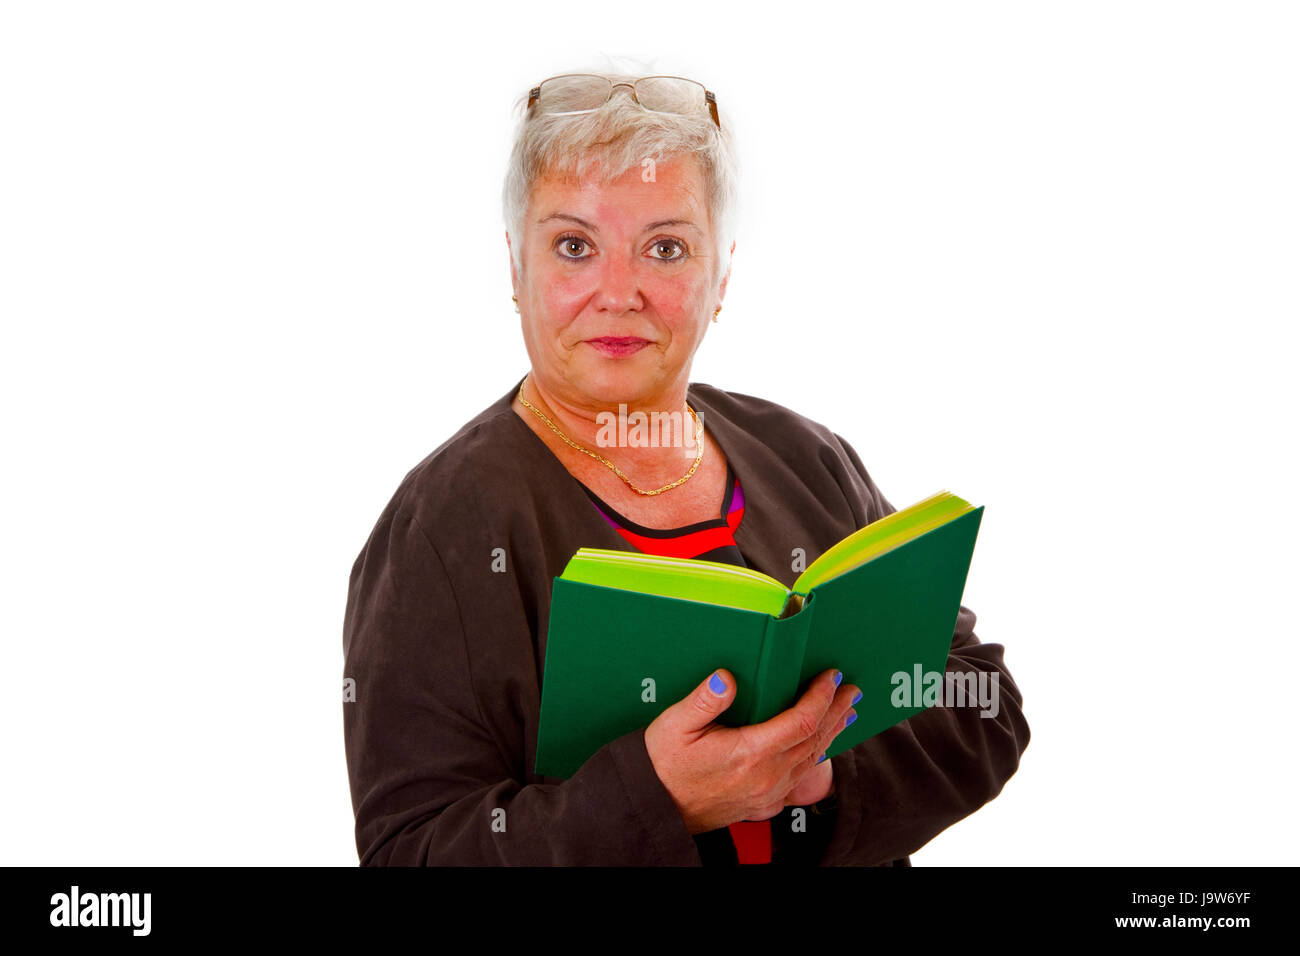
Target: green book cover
[[630, 634]]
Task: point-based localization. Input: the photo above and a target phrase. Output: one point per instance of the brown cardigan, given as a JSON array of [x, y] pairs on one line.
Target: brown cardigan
[[446, 654]]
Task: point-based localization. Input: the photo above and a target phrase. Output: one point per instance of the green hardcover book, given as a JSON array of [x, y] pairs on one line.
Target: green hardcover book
[[631, 634]]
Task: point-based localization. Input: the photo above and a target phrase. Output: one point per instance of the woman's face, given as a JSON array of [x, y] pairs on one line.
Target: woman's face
[[617, 284]]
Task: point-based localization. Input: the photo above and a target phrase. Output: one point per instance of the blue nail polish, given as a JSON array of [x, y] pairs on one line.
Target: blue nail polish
[[821, 758], [850, 719], [839, 676], [717, 684], [858, 698]]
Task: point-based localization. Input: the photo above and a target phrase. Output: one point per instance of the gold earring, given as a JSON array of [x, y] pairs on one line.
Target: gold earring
[[715, 313], [515, 299]]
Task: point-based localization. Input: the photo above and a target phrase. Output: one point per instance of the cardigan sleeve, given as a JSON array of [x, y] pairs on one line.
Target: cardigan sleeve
[[898, 790], [430, 784]]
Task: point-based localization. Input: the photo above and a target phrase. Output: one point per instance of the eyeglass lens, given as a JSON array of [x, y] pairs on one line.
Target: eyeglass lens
[[663, 94]]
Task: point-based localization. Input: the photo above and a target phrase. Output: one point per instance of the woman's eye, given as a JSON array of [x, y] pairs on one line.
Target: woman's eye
[[668, 250], [572, 247]]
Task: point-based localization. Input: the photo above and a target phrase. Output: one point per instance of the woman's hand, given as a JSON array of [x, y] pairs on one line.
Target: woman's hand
[[816, 785], [717, 775]]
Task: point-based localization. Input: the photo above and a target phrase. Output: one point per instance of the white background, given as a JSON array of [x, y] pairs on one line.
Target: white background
[[252, 270]]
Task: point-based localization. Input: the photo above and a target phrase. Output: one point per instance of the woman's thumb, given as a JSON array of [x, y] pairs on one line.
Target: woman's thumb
[[707, 701]]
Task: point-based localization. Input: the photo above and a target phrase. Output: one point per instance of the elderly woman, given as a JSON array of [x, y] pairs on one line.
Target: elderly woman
[[619, 205]]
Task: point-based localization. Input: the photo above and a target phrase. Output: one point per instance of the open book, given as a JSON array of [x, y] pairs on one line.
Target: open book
[[631, 633]]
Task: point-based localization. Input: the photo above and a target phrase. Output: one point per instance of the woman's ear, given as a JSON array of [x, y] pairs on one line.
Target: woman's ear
[[514, 276], [722, 286]]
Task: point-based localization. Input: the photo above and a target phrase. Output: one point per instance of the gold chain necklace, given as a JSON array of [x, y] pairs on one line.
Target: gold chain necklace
[[699, 431]]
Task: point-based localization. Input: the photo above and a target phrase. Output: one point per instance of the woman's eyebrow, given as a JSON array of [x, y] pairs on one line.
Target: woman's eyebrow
[[663, 223], [564, 215]]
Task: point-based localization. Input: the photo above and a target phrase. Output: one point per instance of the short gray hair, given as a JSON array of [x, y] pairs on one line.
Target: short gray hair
[[613, 139]]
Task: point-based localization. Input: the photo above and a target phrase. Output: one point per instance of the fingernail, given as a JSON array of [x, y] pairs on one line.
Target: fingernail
[[717, 684], [839, 676], [858, 698], [821, 758], [850, 719]]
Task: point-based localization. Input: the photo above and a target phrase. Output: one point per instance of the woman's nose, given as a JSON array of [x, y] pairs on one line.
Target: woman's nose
[[618, 286]]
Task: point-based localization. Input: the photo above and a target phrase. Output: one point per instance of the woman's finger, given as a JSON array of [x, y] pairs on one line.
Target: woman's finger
[[802, 722]]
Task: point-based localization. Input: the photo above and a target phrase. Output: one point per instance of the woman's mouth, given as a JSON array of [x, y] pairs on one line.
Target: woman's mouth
[[617, 347]]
